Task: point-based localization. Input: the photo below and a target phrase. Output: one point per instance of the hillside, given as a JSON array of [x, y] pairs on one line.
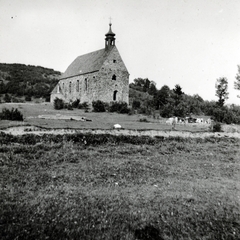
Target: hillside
[[138, 95], [20, 80]]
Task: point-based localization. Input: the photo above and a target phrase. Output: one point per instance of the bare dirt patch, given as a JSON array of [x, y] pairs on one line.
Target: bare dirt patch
[[21, 130]]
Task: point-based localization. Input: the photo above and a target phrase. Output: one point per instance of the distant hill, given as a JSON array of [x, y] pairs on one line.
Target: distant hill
[[20, 80]]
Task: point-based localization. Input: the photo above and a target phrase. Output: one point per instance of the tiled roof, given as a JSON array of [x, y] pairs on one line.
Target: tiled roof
[[87, 63]]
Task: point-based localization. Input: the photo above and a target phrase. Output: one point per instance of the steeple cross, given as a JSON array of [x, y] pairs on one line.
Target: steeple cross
[[110, 20]]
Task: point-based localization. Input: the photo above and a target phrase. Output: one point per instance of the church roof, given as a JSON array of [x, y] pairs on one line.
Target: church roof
[[87, 63]]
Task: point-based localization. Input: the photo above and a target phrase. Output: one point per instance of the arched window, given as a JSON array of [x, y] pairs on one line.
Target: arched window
[[115, 95], [58, 88], [86, 84], [70, 87], [114, 77], [77, 86]]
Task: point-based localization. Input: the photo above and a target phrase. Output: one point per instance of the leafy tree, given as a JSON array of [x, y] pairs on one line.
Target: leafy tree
[[167, 110], [161, 97], [152, 88], [136, 104], [144, 85], [198, 98], [178, 90], [177, 94], [237, 82], [221, 90], [181, 110]]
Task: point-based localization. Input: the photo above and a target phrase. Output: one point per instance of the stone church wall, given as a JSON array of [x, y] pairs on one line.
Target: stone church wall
[[113, 66], [108, 84]]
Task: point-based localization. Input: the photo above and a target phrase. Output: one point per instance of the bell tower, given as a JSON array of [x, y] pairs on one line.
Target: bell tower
[[110, 38]]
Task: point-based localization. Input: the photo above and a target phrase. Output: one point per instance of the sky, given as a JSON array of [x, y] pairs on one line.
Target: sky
[[187, 42]]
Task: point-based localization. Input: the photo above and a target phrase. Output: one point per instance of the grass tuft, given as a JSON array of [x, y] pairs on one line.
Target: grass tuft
[[117, 187]]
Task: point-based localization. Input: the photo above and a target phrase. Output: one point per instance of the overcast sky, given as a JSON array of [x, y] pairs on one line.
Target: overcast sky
[[186, 42]]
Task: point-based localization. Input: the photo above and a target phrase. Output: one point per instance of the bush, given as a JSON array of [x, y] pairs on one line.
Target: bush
[[217, 127], [119, 107], [76, 103], [83, 105], [226, 115], [68, 106], [58, 104], [143, 120], [12, 115], [98, 106], [107, 106]]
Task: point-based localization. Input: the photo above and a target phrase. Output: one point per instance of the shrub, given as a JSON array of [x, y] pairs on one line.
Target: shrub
[[106, 105], [217, 127], [143, 120], [83, 105], [119, 107], [68, 106], [13, 115], [75, 103], [58, 104], [98, 106]]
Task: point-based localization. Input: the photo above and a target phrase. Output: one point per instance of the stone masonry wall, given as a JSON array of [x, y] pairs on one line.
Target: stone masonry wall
[[106, 86], [97, 85]]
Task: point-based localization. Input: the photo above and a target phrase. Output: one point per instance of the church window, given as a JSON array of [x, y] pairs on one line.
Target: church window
[[58, 89], [115, 95], [86, 84], [70, 86], [114, 77], [114, 60], [77, 86], [63, 86]]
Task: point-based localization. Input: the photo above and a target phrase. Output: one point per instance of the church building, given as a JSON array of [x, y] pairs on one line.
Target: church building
[[99, 75]]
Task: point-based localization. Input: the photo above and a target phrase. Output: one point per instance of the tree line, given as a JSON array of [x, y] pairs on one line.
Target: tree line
[[174, 102]]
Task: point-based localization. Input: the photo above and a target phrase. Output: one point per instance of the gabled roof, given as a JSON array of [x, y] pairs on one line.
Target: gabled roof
[[87, 63]]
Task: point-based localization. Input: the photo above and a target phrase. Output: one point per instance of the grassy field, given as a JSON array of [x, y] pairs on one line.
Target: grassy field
[[32, 111], [118, 187]]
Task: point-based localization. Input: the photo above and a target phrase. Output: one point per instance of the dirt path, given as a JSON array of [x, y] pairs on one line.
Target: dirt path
[[21, 130]]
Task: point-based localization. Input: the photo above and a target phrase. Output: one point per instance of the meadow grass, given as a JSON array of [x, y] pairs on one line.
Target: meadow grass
[[118, 187], [105, 120]]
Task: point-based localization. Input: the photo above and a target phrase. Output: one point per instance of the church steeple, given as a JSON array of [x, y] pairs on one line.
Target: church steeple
[[110, 37]]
